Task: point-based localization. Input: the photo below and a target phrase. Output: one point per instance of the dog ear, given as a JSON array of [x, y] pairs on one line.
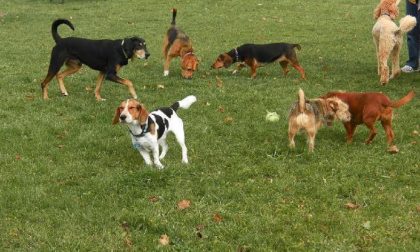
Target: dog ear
[[143, 114], [128, 47], [116, 116], [227, 61], [333, 105]]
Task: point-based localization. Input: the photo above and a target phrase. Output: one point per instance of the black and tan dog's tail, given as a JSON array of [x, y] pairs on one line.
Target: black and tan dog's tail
[[173, 16], [297, 46], [55, 25]]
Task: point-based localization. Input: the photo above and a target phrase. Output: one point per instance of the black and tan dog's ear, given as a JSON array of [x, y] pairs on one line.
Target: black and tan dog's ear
[[117, 116], [227, 60], [128, 47]]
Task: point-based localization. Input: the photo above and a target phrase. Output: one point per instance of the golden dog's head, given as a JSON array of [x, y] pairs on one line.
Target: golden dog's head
[[189, 65]]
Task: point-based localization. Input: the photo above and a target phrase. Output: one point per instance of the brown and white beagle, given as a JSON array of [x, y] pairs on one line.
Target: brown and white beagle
[[149, 130]]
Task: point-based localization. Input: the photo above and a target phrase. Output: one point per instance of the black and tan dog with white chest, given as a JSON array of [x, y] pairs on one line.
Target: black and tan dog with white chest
[[104, 55], [149, 130], [255, 56]]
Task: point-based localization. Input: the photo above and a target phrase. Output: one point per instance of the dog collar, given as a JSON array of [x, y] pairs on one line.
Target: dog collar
[[187, 54], [122, 43], [236, 55], [143, 132]]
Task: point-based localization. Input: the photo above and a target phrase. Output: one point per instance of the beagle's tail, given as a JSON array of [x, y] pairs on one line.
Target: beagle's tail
[[407, 23], [301, 101], [404, 100], [184, 103], [55, 25], [173, 16]]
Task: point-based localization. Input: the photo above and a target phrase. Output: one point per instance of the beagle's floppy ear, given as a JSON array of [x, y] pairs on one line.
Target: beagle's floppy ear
[[128, 47], [116, 116], [227, 60], [143, 114]]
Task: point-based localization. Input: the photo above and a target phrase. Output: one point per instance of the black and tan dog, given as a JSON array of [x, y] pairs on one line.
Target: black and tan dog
[[257, 55], [177, 44], [106, 56]]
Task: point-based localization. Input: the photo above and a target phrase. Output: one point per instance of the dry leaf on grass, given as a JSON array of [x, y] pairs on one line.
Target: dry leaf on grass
[[127, 235], [153, 198], [221, 109], [18, 157], [88, 88], [351, 205], [184, 204], [217, 217], [164, 240], [228, 120], [219, 83], [418, 208], [199, 228], [415, 133], [160, 86]]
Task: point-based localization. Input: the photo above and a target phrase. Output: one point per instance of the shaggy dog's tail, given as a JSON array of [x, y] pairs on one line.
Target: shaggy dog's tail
[[301, 101], [407, 23], [404, 100], [173, 16]]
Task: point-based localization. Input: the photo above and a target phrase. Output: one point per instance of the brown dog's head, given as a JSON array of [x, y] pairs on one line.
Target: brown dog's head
[[387, 7], [130, 111], [224, 60], [189, 65]]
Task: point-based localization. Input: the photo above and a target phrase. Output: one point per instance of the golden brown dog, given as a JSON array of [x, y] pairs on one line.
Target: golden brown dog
[[177, 44], [312, 114], [367, 108]]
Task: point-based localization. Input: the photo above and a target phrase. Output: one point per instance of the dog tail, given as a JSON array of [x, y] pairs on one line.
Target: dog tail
[[173, 16], [407, 23], [404, 100], [55, 25], [297, 46], [184, 103], [301, 101]]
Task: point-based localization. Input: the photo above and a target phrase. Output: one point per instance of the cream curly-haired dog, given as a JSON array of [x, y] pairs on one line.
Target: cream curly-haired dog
[[388, 37]]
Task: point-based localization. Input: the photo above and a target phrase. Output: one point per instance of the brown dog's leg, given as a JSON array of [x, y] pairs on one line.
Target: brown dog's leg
[[386, 121], [72, 67], [44, 85], [372, 131], [350, 128], [168, 59], [99, 82]]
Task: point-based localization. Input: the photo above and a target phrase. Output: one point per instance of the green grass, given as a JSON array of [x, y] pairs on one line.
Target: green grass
[[69, 180]]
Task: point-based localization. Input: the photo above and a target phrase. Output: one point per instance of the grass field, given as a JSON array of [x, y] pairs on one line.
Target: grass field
[[69, 180]]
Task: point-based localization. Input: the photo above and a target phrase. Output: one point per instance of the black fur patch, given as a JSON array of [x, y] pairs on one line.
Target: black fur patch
[[167, 111], [161, 124]]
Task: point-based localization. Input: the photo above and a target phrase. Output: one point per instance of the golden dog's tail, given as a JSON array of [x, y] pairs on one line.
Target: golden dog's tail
[[301, 100], [404, 100], [407, 23], [173, 16]]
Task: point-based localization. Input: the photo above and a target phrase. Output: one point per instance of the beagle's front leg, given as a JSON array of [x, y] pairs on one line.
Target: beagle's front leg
[[146, 156], [155, 153]]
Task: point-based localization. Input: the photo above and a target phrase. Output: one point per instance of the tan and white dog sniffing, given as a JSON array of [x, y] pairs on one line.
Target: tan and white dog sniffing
[[149, 130], [310, 115]]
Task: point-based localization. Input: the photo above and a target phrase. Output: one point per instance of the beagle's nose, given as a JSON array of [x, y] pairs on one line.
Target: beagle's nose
[[123, 117]]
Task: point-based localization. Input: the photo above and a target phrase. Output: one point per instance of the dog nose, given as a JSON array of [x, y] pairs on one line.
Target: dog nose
[[123, 117]]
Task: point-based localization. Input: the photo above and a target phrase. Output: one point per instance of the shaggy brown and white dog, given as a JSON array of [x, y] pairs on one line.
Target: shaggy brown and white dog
[[388, 37], [312, 114]]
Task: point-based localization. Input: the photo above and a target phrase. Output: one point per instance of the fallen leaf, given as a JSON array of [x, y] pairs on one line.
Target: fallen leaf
[[153, 198], [351, 205], [228, 120], [60, 146], [164, 240], [199, 228], [418, 208], [219, 83], [221, 109], [18, 157], [366, 225], [415, 133], [217, 217], [184, 204], [208, 103], [127, 235], [160, 86], [88, 88], [30, 97]]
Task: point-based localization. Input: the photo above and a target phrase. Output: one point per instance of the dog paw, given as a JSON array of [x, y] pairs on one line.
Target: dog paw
[[64, 94], [165, 73], [393, 149], [159, 166], [185, 161]]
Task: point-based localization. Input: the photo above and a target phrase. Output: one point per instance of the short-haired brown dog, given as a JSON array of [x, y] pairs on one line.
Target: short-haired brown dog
[[367, 108], [312, 114], [177, 44]]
